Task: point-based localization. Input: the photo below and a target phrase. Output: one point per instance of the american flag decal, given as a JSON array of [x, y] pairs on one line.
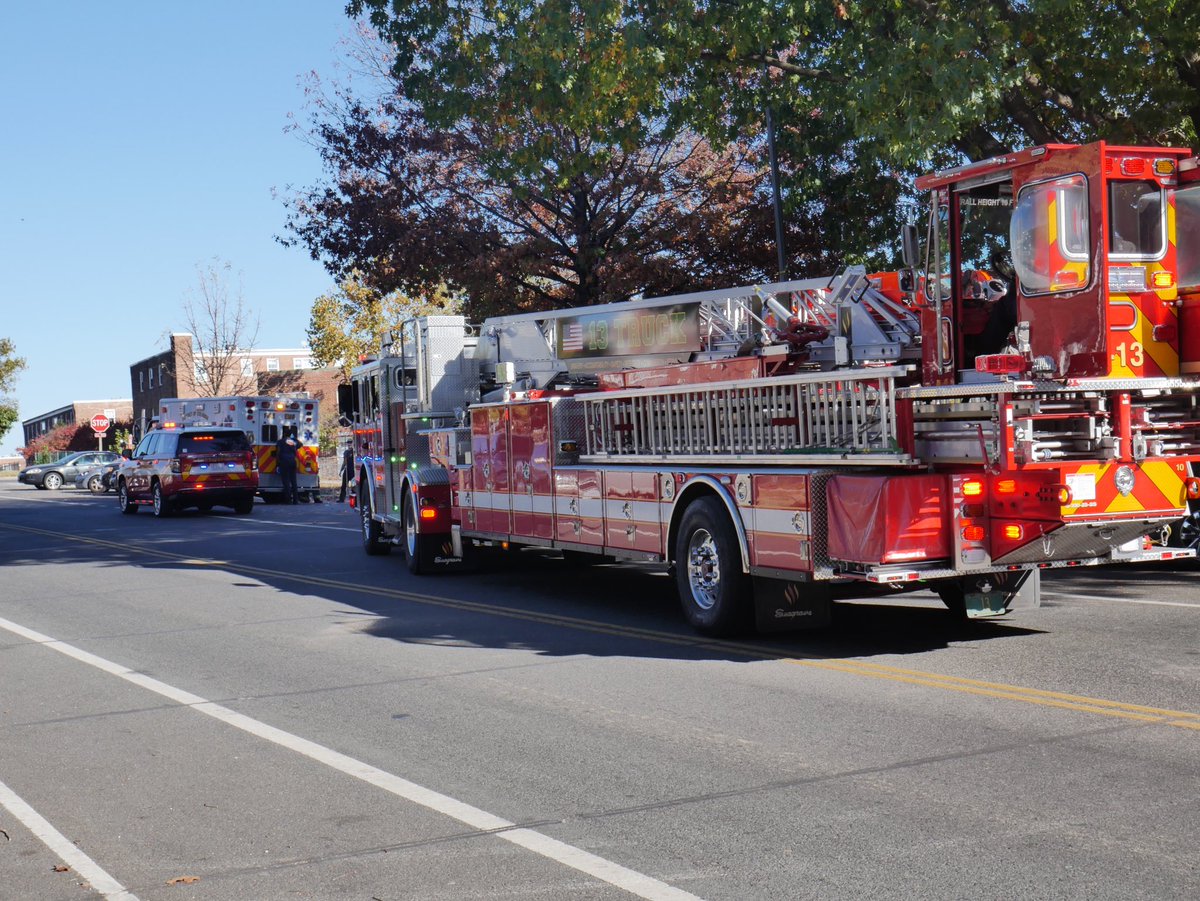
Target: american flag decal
[[571, 339]]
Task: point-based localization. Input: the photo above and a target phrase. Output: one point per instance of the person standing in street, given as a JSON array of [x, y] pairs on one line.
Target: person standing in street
[[347, 471], [285, 461]]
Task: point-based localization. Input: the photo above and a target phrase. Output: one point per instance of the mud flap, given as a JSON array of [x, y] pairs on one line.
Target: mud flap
[[994, 594], [783, 606]]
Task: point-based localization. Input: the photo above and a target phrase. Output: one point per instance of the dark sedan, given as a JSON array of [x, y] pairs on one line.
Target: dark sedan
[[53, 476]]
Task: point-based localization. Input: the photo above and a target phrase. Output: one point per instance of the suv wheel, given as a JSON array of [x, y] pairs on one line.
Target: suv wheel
[[162, 507], [124, 500], [244, 505]]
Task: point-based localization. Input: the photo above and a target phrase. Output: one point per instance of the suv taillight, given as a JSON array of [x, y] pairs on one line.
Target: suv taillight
[[176, 467], [251, 461]]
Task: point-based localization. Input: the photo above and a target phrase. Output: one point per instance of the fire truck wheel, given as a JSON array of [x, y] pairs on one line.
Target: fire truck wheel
[[372, 532], [162, 506], [713, 590], [126, 503], [419, 550], [1186, 531]]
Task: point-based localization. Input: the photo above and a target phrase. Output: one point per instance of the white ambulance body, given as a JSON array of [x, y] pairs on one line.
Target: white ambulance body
[[263, 418]]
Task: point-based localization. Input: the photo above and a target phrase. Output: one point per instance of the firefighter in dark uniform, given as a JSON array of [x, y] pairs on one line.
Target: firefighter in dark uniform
[[285, 461]]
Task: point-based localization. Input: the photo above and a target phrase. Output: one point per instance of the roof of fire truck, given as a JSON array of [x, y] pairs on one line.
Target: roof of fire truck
[[1010, 161]]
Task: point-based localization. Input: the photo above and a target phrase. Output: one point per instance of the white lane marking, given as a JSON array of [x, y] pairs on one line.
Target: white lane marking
[[83, 865], [1089, 597], [614, 874]]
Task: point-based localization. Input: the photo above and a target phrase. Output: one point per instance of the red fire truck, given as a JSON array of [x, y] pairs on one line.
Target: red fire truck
[[263, 418], [1022, 396]]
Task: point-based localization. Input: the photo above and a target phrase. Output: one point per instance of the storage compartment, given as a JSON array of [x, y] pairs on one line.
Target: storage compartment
[[888, 518]]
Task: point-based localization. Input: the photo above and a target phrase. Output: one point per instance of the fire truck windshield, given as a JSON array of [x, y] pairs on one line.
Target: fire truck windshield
[[1049, 236], [1136, 215]]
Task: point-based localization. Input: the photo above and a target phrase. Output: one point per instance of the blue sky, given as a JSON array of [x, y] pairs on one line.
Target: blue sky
[[139, 140]]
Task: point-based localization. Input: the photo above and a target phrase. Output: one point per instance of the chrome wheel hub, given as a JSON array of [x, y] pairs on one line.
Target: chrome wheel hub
[[703, 569]]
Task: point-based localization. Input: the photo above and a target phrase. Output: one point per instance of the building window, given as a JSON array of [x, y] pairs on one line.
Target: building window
[[141, 381], [272, 364], [151, 378], [302, 363], [247, 367]]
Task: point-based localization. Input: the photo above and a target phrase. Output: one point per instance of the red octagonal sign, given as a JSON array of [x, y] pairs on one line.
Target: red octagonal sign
[[100, 423]]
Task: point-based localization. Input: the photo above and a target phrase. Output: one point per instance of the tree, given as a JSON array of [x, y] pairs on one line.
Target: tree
[[223, 329], [864, 92], [528, 210], [356, 318], [10, 366]]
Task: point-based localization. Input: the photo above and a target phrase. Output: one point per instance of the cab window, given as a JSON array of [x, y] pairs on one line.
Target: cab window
[[1136, 215], [1187, 231], [1049, 236]]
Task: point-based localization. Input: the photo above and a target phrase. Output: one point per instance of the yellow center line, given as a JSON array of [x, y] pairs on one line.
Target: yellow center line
[[1002, 691]]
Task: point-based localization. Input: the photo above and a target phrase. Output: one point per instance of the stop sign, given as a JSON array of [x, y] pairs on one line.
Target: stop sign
[[100, 423]]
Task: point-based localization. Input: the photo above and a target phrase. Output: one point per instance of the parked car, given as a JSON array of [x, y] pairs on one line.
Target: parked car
[[200, 467], [53, 476], [98, 479]]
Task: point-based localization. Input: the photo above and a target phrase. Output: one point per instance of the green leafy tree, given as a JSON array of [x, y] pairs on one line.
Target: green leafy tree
[[866, 94], [10, 367], [8, 417], [355, 319]]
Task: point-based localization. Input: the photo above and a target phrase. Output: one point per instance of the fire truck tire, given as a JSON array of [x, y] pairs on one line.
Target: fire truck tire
[[713, 590], [372, 532], [419, 550], [1185, 532], [128, 507]]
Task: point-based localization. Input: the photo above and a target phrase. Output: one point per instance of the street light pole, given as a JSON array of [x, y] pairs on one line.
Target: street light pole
[[777, 201]]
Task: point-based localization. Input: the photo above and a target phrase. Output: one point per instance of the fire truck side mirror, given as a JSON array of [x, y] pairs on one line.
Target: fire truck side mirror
[[346, 400], [910, 249]]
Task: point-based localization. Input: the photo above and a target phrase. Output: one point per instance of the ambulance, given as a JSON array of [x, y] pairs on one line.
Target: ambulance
[[263, 418]]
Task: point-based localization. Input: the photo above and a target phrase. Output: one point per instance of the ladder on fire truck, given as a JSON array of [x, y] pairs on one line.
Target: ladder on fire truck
[[820, 418]]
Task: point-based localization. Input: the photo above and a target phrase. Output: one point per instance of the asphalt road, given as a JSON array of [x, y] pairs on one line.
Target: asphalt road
[[227, 707]]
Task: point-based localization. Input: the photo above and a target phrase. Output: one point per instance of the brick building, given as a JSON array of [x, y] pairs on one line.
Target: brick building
[[76, 413], [175, 372]]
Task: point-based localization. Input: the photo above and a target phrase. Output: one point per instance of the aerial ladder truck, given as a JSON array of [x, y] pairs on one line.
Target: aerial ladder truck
[[1021, 396]]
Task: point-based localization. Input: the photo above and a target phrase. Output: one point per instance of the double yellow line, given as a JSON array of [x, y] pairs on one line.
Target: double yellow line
[[999, 690]]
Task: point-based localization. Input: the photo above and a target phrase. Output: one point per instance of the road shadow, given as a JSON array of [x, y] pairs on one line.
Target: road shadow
[[528, 600]]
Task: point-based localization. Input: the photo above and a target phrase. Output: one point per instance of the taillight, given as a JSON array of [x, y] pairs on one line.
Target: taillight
[[972, 488], [973, 533], [176, 466], [252, 461], [1058, 493], [1192, 486], [1013, 532], [428, 513]]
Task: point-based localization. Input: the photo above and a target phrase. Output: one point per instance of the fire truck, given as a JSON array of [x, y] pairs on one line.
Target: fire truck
[[263, 418], [1021, 396]]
